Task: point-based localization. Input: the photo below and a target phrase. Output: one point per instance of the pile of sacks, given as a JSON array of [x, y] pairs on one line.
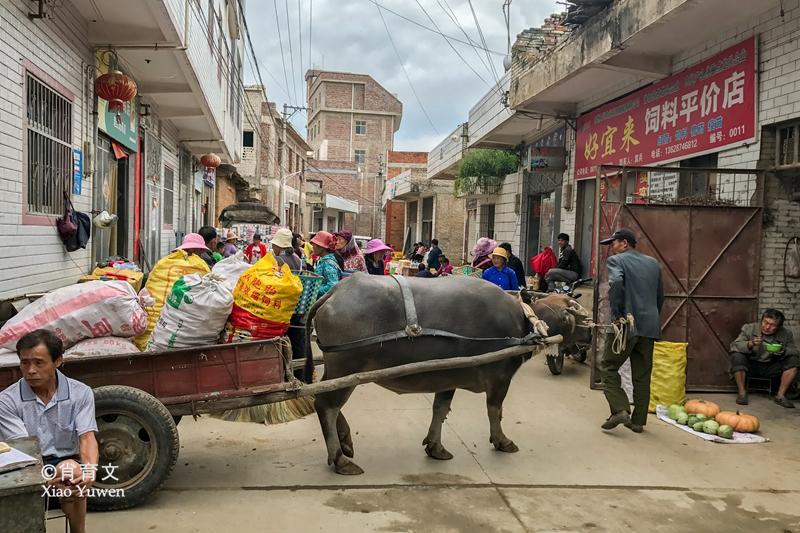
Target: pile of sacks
[[182, 305], [235, 302], [107, 313]]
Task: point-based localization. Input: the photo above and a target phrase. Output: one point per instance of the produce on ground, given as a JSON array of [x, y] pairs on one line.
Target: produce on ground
[[704, 407], [739, 421], [725, 431]]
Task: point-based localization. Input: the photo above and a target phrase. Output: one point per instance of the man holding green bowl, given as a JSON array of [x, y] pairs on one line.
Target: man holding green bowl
[[766, 350]]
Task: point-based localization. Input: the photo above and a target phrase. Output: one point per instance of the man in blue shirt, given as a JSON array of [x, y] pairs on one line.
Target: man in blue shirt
[[434, 254], [499, 273], [59, 411]]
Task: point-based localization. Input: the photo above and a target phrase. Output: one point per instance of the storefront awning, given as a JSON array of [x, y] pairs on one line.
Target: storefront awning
[[342, 204]]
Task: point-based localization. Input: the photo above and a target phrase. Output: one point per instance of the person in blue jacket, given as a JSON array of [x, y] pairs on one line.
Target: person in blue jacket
[[499, 273]]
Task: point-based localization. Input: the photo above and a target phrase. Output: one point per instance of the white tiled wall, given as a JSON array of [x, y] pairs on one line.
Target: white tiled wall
[[33, 257]]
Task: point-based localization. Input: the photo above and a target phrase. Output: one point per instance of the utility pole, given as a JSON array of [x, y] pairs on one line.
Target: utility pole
[[378, 180], [282, 161]]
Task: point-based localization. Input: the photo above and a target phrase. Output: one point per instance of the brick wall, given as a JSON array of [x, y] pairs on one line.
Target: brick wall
[[34, 258], [448, 223], [394, 225]]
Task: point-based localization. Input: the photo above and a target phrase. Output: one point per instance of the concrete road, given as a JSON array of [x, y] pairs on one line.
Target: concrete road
[[568, 475]]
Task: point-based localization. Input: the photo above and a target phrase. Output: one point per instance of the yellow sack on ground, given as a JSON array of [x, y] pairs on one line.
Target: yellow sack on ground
[[668, 380], [159, 284], [265, 298]]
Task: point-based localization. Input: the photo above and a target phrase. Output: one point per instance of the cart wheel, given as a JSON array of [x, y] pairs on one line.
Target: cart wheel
[[555, 362], [138, 438]]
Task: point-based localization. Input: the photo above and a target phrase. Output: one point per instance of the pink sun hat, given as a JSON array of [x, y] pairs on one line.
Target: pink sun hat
[[193, 241], [376, 245]]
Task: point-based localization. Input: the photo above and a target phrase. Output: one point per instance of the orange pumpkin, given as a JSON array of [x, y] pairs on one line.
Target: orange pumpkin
[[702, 407], [738, 421]]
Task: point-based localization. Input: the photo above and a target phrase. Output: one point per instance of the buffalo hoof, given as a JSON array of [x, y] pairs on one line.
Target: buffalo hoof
[[347, 449], [346, 467], [437, 451], [506, 446]]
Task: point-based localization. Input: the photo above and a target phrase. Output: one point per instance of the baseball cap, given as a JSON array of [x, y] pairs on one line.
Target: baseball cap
[[622, 234]]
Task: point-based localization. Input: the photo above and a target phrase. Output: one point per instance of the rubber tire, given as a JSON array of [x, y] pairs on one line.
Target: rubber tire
[[555, 363], [125, 399], [580, 355]]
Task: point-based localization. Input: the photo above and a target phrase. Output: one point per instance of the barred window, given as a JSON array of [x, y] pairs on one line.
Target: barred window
[[169, 195], [361, 127], [360, 157], [49, 150]]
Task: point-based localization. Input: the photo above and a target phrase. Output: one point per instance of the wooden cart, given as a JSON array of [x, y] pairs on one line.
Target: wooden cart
[[140, 398]]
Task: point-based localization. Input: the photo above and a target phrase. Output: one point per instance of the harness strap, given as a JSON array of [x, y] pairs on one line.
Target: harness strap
[[412, 328]]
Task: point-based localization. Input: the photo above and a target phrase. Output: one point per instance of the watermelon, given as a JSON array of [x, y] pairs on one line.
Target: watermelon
[[698, 426], [682, 419], [725, 431], [710, 427], [674, 410]]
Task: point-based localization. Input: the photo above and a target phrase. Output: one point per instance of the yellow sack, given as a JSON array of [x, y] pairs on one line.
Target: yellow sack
[[267, 292], [668, 380], [159, 284]]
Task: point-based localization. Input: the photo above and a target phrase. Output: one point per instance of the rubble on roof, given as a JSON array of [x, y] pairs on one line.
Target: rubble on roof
[[579, 11]]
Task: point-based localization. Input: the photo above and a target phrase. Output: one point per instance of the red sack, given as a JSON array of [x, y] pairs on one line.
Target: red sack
[[542, 263], [243, 323]]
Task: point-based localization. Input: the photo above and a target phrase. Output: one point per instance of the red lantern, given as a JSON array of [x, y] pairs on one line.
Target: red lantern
[[116, 88], [211, 160]]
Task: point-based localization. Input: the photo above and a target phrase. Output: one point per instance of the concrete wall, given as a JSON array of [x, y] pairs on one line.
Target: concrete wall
[[34, 258]]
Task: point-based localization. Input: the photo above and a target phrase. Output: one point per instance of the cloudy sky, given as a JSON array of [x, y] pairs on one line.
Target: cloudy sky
[[349, 35]]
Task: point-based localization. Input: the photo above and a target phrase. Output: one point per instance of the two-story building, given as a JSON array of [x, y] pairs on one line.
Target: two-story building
[[140, 163]]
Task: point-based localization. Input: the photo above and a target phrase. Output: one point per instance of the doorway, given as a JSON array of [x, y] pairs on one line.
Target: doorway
[[110, 194]]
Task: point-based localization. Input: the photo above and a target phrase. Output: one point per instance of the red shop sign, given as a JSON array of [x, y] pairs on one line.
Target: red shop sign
[[700, 110]]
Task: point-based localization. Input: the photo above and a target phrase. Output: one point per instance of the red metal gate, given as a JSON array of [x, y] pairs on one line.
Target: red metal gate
[[708, 244]]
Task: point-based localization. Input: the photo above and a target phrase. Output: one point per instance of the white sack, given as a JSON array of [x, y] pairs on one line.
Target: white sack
[[232, 268]]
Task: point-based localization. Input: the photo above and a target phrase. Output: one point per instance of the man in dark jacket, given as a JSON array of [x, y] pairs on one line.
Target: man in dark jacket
[[634, 291], [568, 268], [515, 264], [434, 254], [209, 235]]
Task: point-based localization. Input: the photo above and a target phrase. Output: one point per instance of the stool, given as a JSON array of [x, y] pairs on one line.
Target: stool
[[57, 514], [760, 385]]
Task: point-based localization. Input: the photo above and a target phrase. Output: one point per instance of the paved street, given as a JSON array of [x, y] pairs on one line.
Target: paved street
[[568, 475]]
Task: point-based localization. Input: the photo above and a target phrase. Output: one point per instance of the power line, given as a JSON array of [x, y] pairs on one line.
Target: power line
[[483, 40], [300, 54], [452, 15], [412, 21], [400, 59], [291, 50], [451, 45], [280, 40], [310, 27]]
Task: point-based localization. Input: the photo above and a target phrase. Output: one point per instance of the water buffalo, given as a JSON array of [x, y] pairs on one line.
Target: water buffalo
[[566, 317], [364, 306]]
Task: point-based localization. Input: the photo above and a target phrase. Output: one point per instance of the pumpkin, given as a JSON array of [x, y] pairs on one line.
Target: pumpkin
[[738, 421], [703, 407]]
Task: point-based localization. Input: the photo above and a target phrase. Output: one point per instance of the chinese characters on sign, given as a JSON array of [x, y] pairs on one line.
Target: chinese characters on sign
[[700, 110]]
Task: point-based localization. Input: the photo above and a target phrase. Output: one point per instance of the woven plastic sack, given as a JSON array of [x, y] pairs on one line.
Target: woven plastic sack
[[232, 268], [668, 380], [311, 284], [159, 284], [195, 313], [265, 299], [103, 346], [77, 312]]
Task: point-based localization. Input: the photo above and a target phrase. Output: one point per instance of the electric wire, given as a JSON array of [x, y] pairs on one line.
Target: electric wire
[[280, 41], [291, 50], [408, 78], [452, 15]]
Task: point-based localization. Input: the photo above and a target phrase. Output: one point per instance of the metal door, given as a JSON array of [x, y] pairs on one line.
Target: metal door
[[708, 246]]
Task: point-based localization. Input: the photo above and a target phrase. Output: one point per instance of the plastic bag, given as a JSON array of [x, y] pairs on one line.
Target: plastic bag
[[103, 346], [82, 311], [265, 299], [232, 268], [195, 313], [159, 284], [668, 379]]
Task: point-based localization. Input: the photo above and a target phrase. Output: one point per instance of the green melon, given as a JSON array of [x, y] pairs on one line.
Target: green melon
[[682, 419], [692, 420], [710, 427], [674, 410], [698, 426], [725, 431]]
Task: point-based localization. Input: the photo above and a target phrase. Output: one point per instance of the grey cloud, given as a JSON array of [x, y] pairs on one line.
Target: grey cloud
[[349, 35]]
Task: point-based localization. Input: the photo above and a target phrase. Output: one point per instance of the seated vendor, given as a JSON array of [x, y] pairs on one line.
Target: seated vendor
[[59, 411], [765, 350]]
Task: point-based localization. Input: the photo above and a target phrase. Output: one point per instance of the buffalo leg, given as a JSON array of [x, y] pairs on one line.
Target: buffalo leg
[[433, 442], [328, 407], [495, 394], [343, 431]]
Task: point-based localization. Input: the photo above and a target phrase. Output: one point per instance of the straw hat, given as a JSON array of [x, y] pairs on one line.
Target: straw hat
[[232, 236], [500, 252], [283, 238]]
